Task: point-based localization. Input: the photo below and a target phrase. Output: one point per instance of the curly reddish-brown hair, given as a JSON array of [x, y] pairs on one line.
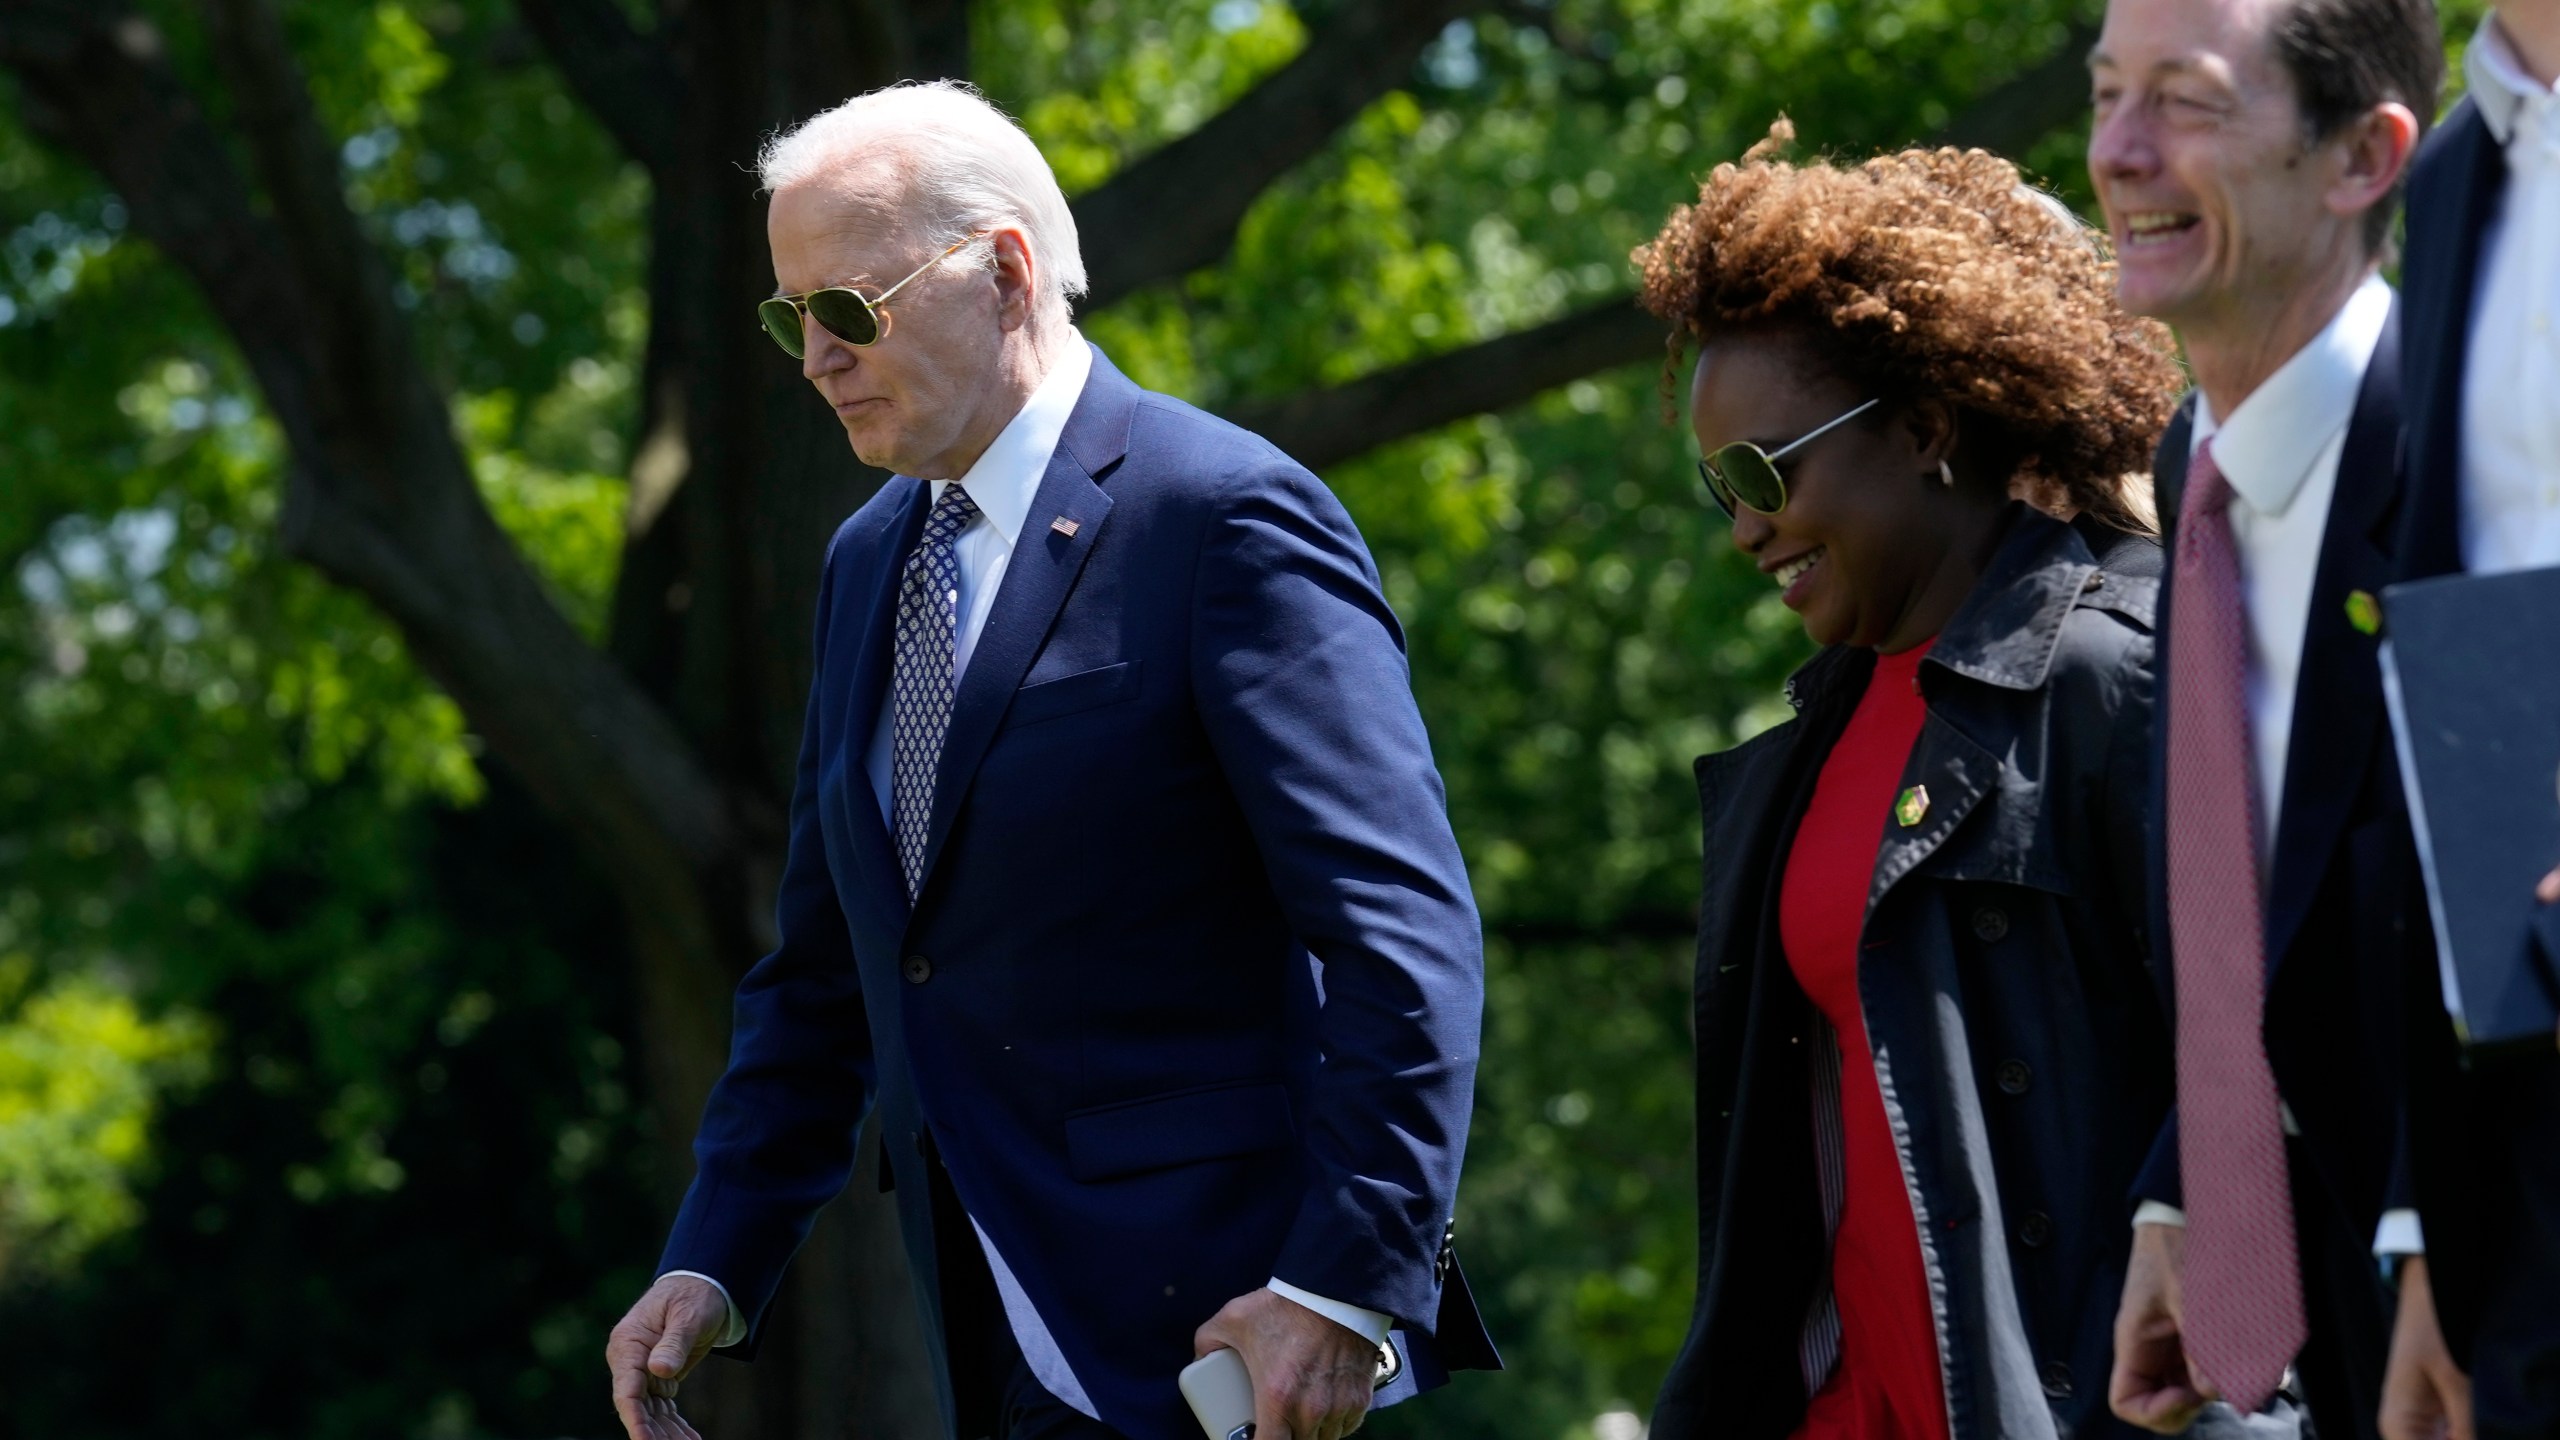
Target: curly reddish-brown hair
[[1935, 275]]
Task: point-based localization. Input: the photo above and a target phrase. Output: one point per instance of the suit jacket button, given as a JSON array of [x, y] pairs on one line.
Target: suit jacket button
[[2036, 1230], [2013, 1076], [918, 969], [2057, 1379], [1991, 924]]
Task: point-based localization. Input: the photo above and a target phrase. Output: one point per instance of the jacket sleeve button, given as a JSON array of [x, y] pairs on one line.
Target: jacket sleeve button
[[1990, 924], [2036, 1230], [2056, 1377], [2013, 1076], [917, 969]]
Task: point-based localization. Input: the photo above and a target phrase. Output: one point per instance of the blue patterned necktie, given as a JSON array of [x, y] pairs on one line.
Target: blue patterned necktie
[[920, 677]]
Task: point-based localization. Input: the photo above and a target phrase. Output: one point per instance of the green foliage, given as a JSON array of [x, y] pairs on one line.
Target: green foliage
[[81, 1073], [295, 1038]]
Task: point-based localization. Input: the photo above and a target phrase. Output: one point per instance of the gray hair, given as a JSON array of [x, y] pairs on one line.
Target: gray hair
[[966, 166]]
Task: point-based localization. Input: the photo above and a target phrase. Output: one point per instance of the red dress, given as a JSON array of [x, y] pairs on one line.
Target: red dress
[[1887, 1384]]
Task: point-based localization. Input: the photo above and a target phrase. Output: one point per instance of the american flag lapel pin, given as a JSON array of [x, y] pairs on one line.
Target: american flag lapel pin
[[1064, 526]]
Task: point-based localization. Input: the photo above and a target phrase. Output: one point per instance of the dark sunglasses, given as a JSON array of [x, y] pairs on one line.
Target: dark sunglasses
[[846, 314], [1744, 474]]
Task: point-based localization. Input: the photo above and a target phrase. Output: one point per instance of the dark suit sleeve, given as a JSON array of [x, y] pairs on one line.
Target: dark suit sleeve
[[2159, 1177], [1299, 669], [777, 1138]]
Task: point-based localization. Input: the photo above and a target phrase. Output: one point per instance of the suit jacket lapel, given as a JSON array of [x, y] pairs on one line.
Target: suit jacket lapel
[[1044, 567], [875, 861], [2169, 475], [2337, 699]]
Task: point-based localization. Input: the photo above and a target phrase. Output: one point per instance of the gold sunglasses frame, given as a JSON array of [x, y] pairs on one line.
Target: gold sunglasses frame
[[1711, 468], [877, 309]]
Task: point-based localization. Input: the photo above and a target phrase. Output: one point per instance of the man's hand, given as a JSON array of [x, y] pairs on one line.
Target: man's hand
[[2152, 1386], [673, 1326], [2425, 1396], [1311, 1377]]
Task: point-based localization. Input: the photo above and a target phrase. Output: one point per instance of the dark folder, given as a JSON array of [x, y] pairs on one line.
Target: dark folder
[[2471, 668]]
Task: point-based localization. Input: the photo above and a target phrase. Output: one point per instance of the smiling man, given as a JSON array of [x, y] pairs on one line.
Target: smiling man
[[2248, 154], [1120, 882]]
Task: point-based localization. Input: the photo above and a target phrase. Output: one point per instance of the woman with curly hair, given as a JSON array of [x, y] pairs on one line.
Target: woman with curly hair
[[1930, 1055]]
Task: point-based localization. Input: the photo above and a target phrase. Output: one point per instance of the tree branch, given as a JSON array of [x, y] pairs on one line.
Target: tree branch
[[2010, 117], [1177, 209], [1323, 427], [377, 491], [625, 78]]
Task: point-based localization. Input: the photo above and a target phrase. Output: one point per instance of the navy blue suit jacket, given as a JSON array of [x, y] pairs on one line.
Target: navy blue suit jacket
[[1191, 994], [2338, 908], [2455, 189], [2342, 914]]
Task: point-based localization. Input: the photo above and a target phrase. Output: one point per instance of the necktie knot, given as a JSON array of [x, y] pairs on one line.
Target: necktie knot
[[2208, 489], [951, 515]]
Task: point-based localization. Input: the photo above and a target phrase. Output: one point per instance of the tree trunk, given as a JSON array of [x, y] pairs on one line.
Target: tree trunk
[[740, 478]]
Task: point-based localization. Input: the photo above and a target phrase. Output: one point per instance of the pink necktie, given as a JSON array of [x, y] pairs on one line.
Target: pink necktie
[[2243, 1284]]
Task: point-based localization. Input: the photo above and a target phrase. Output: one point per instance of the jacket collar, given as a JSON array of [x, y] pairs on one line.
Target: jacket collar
[[2007, 630], [2497, 82]]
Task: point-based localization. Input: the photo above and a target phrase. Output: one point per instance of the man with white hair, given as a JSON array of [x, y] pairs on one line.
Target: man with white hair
[[1120, 879]]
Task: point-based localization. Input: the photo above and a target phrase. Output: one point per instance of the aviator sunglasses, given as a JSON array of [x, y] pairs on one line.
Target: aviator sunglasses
[[846, 314], [1744, 474]]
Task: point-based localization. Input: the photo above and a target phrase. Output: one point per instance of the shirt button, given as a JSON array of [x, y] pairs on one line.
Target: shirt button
[[917, 969], [2013, 1077], [1991, 924], [2036, 1230], [2057, 1379]]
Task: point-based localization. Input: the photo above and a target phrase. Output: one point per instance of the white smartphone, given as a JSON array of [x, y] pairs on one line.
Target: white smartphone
[[1221, 1395], [1221, 1390]]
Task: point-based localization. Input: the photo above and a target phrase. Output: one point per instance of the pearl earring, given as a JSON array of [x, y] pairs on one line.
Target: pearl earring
[[1946, 475]]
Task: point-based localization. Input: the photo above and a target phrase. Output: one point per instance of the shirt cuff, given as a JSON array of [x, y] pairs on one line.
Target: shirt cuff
[[1368, 1324], [2152, 1212], [736, 1329], [2399, 1234]]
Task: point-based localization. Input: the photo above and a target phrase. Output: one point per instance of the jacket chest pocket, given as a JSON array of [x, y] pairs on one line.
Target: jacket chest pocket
[[1072, 694]]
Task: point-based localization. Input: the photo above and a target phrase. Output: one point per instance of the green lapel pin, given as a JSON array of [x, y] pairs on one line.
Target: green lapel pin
[[1913, 807], [2364, 612]]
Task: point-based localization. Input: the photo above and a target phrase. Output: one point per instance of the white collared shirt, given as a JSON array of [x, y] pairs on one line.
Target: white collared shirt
[[2280, 449], [2511, 378], [1003, 482]]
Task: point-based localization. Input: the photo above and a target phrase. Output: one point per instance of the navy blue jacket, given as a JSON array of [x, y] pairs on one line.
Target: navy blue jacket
[[2014, 1024], [1191, 994], [2343, 914], [2480, 1139]]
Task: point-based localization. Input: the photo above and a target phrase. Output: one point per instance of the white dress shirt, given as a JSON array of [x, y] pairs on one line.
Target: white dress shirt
[[1003, 482], [2280, 449], [2511, 377]]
